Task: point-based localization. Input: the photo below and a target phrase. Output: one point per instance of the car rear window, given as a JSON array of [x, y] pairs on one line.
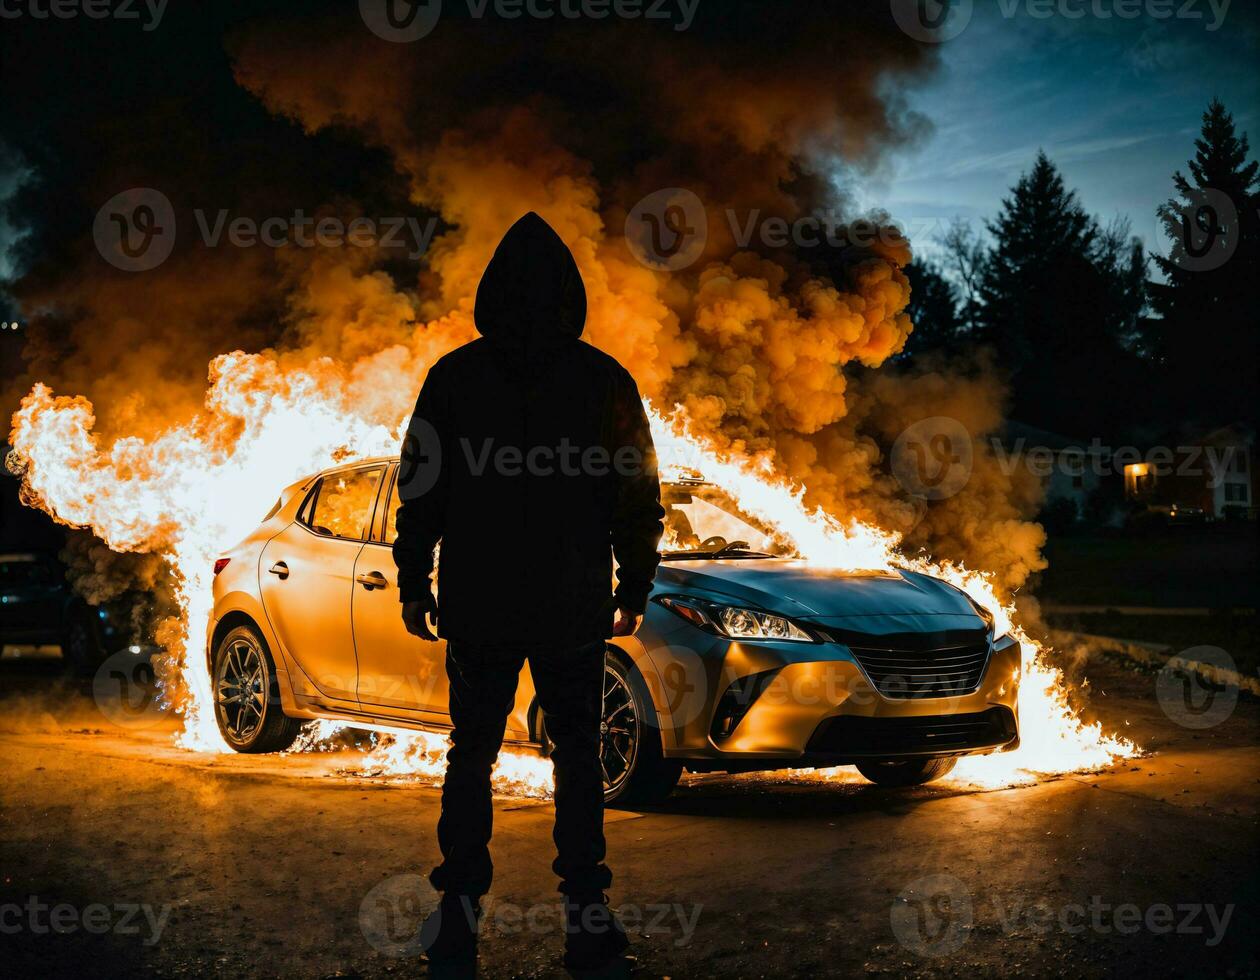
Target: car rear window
[[341, 504]]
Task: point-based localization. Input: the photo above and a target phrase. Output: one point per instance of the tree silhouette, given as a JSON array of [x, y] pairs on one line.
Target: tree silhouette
[[965, 258], [1058, 298], [933, 310], [1206, 339]]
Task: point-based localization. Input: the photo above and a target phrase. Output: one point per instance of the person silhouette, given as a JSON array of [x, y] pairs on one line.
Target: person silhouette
[[530, 461]]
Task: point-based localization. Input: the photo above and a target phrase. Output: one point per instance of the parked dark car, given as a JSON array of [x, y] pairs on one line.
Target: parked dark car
[[39, 608]]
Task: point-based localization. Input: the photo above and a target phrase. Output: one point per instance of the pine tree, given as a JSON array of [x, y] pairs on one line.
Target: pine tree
[[1207, 335], [933, 310], [1056, 301]]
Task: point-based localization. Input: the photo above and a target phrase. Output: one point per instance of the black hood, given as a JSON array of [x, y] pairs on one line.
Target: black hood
[[531, 298]]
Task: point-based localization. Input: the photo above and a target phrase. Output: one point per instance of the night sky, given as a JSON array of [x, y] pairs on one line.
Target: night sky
[[1116, 104]]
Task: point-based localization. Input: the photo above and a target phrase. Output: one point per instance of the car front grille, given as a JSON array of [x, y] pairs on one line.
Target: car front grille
[[920, 665], [853, 737]]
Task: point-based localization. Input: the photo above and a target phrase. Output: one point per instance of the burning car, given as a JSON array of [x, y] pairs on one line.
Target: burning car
[[748, 658]]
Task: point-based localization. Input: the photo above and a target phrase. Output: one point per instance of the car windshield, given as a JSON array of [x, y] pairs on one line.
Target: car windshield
[[701, 521]]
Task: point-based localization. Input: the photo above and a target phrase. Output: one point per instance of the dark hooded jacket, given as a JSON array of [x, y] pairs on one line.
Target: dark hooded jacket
[[530, 460]]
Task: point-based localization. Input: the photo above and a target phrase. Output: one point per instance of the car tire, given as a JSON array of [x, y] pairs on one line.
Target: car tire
[[247, 695], [905, 772], [650, 777]]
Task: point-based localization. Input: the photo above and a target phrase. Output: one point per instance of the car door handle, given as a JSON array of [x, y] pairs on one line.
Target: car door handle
[[279, 569], [372, 580]]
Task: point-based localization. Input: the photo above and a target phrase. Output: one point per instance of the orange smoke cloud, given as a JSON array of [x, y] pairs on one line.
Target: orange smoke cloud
[[766, 350]]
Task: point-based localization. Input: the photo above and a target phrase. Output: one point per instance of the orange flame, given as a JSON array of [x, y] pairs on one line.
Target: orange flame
[[195, 489]]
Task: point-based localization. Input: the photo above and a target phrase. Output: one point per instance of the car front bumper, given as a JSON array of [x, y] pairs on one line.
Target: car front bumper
[[814, 705]]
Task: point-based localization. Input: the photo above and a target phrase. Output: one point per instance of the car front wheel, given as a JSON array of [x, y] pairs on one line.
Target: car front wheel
[[247, 697], [634, 766], [905, 772], [631, 760]]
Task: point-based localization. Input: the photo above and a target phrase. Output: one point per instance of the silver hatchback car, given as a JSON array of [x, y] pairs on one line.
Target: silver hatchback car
[[748, 658]]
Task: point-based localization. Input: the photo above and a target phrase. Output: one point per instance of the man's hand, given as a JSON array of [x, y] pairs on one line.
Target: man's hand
[[414, 618], [626, 623]]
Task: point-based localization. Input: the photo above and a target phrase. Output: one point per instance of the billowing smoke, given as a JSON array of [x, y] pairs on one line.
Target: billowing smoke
[[765, 346]]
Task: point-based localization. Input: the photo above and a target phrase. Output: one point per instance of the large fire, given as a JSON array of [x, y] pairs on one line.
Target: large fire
[[197, 488], [746, 353]]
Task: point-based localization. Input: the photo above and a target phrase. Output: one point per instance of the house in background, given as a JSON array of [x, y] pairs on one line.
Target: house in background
[[1209, 475]]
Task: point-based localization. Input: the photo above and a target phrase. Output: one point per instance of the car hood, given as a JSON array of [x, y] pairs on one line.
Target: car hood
[[874, 602]]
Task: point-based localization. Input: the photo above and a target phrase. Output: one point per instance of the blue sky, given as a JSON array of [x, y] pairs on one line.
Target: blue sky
[[1116, 103]]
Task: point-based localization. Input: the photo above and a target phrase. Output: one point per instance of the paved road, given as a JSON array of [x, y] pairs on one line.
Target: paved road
[[288, 866]]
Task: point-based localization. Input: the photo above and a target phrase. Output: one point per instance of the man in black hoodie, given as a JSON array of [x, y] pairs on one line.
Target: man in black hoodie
[[530, 460]]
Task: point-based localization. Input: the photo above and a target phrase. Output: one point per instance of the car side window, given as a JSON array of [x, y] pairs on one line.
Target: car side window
[[391, 515], [341, 506]]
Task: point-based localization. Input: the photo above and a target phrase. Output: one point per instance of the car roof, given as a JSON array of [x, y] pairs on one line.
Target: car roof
[[685, 481]]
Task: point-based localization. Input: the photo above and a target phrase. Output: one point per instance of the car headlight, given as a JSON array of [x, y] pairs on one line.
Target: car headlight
[[736, 622], [982, 612]]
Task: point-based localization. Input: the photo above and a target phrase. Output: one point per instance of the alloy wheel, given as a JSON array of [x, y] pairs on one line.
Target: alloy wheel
[[241, 689], [618, 729]]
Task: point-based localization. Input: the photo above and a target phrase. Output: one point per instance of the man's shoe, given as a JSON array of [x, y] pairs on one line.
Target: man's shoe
[[594, 941], [449, 936]]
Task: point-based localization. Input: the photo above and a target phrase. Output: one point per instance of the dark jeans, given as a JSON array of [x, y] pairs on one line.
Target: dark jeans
[[569, 684]]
